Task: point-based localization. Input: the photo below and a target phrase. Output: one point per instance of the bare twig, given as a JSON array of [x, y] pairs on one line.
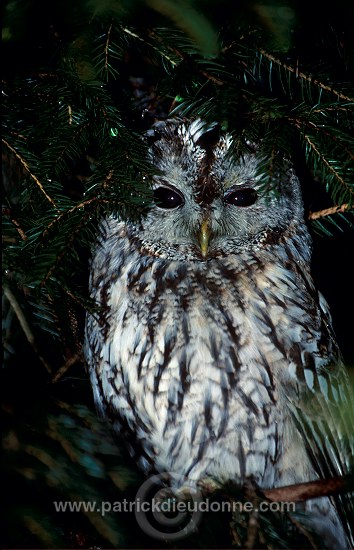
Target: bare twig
[[313, 489], [62, 370]]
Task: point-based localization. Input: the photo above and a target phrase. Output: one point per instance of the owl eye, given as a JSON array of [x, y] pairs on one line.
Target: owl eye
[[242, 197], [165, 197]]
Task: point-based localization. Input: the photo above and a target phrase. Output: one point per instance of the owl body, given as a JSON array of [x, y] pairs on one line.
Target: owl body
[[212, 332]]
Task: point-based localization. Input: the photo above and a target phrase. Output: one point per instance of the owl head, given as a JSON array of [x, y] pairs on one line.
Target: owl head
[[206, 202]]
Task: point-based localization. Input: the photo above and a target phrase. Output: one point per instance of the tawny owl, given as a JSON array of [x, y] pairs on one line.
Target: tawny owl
[[214, 353]]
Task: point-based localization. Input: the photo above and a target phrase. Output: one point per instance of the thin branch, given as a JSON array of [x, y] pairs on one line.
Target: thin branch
[[27, 168], [70, 211], [179, 54], [329, 211], [184, 56], [70, 113], [106, 49], [313, 489], [327, 164], [63, 369], [7, 212], [131, 33], [24, 325], [304, 76], [300, 124], [19, 229]]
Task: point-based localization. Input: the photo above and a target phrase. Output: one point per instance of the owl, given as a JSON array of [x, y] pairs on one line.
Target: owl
[[212, 355]]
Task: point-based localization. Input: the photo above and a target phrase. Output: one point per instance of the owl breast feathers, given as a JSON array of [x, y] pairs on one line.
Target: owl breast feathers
[[213, 355]]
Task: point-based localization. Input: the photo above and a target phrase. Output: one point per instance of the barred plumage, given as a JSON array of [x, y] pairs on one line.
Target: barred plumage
[[213, 334]]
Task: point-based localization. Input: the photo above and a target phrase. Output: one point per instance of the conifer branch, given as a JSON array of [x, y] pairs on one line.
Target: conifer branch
[[327, 164], [71, 210], [63, 252], [300, 74], [135, 35], [301, 123], [185, 57], [27, 168], [182, 56]]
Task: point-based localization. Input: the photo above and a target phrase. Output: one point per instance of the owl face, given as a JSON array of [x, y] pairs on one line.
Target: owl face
[[205, 202]]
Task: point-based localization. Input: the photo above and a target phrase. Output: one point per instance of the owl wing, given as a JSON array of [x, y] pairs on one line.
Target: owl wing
[[325, 420]]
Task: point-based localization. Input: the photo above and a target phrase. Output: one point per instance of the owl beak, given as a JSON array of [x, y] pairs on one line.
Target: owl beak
[[204, 237]]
